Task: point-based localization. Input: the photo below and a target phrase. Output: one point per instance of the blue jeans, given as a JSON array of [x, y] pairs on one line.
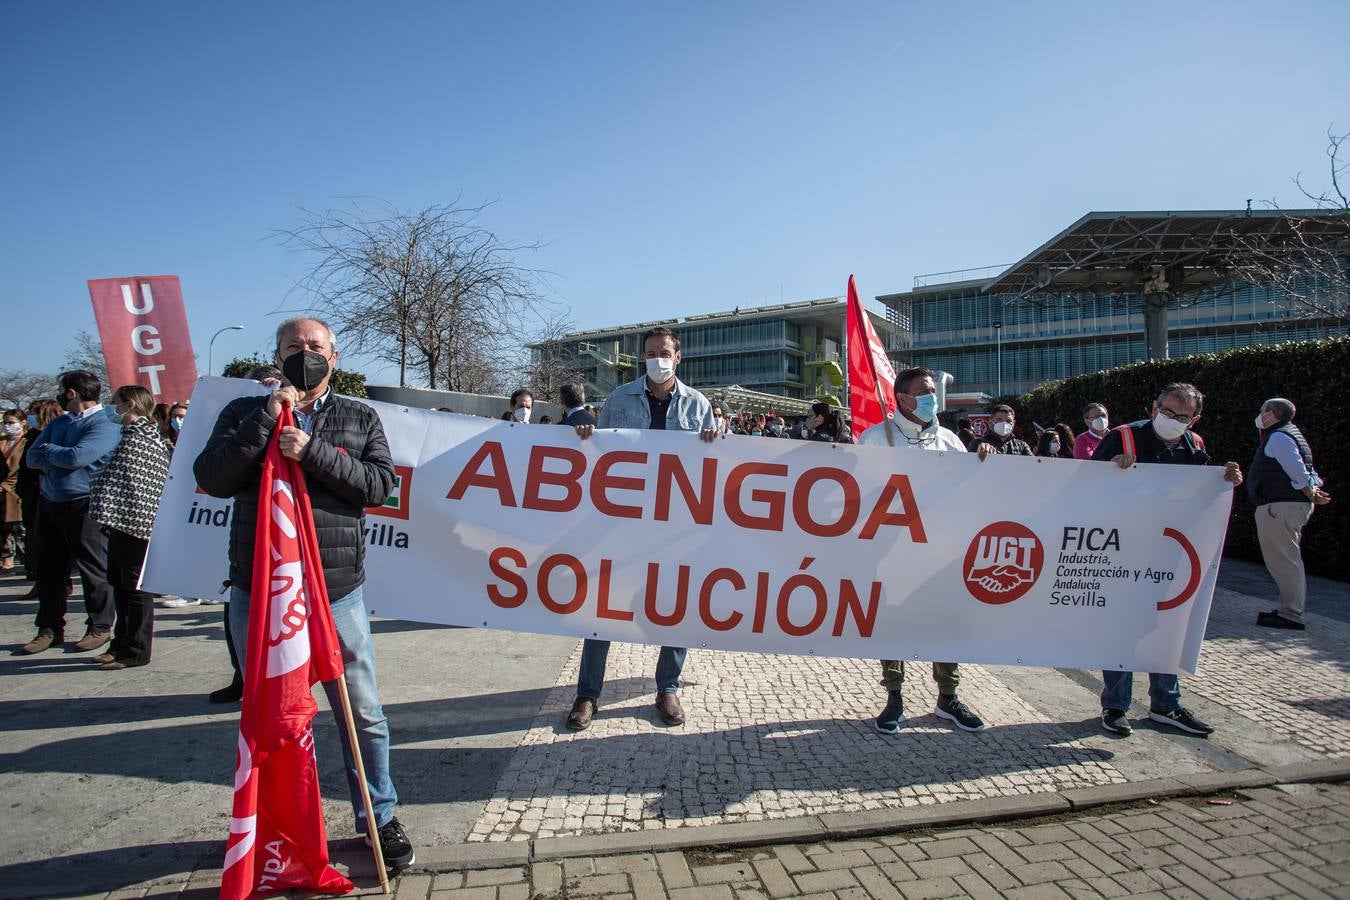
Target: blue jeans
[[591, 678], [1164, 691], [372, 728]]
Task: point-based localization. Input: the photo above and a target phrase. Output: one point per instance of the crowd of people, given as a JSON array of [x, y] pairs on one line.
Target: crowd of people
[[82, 482]]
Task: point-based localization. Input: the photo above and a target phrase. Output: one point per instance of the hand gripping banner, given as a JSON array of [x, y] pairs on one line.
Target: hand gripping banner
[[764, 545], [277, 837]]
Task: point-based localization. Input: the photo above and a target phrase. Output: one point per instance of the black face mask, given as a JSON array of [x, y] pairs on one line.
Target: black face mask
[[305, 370]]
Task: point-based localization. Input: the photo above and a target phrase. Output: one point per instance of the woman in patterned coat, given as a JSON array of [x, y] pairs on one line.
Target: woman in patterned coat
[[124, 498], [12, 444]]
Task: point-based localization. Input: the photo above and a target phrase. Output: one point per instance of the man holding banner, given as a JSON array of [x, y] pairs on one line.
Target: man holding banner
[[917, 428], [1165, 437], [341, 447], [661, 401]]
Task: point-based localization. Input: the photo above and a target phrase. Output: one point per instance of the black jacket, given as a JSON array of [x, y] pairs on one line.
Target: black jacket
[[347, 468], [580, 417], [1009, 446]]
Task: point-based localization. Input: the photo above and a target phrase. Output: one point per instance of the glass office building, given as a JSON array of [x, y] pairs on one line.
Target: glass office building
[[953, 325]]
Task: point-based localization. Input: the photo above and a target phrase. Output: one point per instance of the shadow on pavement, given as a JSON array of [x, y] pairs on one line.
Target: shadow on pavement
[[100, 871]]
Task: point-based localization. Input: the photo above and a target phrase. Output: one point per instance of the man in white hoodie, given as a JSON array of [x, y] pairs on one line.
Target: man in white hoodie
[[915, 427]]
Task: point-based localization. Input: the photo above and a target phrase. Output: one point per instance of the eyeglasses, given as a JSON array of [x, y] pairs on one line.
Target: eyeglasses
[[1176, 416]]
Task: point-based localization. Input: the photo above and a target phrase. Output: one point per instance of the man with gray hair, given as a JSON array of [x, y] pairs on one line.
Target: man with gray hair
[[1284, 487], [341, 447]]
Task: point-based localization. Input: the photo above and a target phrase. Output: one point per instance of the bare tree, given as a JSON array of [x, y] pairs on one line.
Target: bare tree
[[19, 387], [87, 354], [1309, 261], [431, 290], [550, 365]]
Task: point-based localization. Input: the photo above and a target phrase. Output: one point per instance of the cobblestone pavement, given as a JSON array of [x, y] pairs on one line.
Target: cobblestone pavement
[[769, 737], [1288, 841], [1296, 683]]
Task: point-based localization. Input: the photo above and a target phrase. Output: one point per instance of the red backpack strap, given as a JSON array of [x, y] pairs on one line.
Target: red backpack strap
[[1126, 440]]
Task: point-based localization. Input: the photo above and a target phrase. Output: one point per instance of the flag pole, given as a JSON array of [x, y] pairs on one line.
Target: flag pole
[[372, 829]]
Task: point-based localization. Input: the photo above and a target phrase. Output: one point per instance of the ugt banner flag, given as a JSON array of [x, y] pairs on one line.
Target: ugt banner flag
[[871, 379], [277, 837], [142, 325]]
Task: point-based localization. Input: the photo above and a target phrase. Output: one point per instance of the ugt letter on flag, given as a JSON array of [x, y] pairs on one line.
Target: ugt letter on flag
[[277, 837]]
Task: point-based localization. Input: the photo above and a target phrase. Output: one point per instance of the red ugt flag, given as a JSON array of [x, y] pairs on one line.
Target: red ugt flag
[[277, 837], [143, 327], [871, 379]]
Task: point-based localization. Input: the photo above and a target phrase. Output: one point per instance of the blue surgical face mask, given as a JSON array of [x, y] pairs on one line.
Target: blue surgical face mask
[[32, 422], [113, 415], [925, 407]]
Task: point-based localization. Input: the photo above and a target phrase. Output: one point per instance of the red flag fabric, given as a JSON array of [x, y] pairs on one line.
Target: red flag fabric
[[142, 325], [871, 378], [277, 837]]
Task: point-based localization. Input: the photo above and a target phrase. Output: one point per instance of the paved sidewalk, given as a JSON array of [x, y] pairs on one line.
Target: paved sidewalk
[[1288, 841], [121, 779]]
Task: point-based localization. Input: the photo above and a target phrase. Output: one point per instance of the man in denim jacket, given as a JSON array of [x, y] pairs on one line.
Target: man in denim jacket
[[657, 400]]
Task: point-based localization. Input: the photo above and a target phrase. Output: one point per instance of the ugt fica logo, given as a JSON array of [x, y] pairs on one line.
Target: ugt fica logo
[[1003, 562]]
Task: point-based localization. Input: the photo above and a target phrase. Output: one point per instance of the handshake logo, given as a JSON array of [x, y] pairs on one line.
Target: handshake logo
[[1003, 562]]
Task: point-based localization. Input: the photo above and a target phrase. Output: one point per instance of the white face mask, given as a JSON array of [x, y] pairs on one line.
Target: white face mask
[[1002, 429], [522, 414], [1260, 417], [1098, 424], [13, 429], [660, 369], [1167, 428], [1054, 451]]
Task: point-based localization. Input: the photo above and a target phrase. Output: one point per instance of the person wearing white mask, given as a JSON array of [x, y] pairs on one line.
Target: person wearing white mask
[[660, 401], [522, 403], [915, 427], [1000, 438], [1165, 437], [1284, 487], [1098, 424]]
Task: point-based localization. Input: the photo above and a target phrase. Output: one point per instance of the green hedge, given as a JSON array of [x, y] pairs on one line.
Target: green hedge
[[1315, 375]]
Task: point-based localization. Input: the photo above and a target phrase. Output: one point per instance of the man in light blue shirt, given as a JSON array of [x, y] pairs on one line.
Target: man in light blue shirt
[[1285, 487], [71, 450]]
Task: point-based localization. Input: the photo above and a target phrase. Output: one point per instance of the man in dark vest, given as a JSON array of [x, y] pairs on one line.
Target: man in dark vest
[[1165, 437], [1285, 487]]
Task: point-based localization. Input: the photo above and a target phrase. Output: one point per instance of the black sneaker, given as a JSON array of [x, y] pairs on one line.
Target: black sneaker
[[894, 713], [1273, 619], [395, 846], [1114, 721], [1180, 719], [958, 713]]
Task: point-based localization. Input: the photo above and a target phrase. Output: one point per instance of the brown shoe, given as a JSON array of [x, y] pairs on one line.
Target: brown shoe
[[583, 710], [103, 658], [92, 640], [669, 709], [114, 665], [43, 641]]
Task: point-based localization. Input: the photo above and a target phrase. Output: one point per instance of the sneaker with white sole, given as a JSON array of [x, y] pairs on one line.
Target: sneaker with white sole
[[894, 713], [178, 602], [1182, 720], [1114, 721], [956, 712], [395, 846]]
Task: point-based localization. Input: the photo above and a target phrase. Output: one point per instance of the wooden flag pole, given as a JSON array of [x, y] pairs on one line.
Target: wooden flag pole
[[371, 829]]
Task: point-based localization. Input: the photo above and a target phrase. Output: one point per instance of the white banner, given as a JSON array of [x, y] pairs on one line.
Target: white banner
[[757, 544]]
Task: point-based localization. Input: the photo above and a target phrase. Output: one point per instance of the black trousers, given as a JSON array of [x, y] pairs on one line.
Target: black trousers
[[65, 536], [135, 608]]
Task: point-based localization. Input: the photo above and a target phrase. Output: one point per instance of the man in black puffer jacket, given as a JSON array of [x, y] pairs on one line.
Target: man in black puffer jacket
[[341, 447]]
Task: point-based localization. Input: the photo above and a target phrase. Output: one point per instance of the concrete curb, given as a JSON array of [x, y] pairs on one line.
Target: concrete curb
[[866, 823]]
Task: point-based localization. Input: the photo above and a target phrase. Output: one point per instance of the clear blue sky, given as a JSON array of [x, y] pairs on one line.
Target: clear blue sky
[[677, 158]]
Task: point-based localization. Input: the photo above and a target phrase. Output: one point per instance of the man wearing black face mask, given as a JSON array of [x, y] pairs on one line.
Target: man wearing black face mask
[[341, 446]]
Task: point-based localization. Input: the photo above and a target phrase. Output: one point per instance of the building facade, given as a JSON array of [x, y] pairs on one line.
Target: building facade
[[789, 350], [999, 344]]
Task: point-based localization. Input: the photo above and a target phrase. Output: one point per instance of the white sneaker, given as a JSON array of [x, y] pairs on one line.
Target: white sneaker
[[176, 602]]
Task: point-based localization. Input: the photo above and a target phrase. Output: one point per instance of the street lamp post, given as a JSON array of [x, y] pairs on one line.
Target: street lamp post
[[211, 347], [998, 341]]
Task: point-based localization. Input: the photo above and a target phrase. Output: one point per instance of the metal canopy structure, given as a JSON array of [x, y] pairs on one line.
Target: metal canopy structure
[[1163, 256]]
